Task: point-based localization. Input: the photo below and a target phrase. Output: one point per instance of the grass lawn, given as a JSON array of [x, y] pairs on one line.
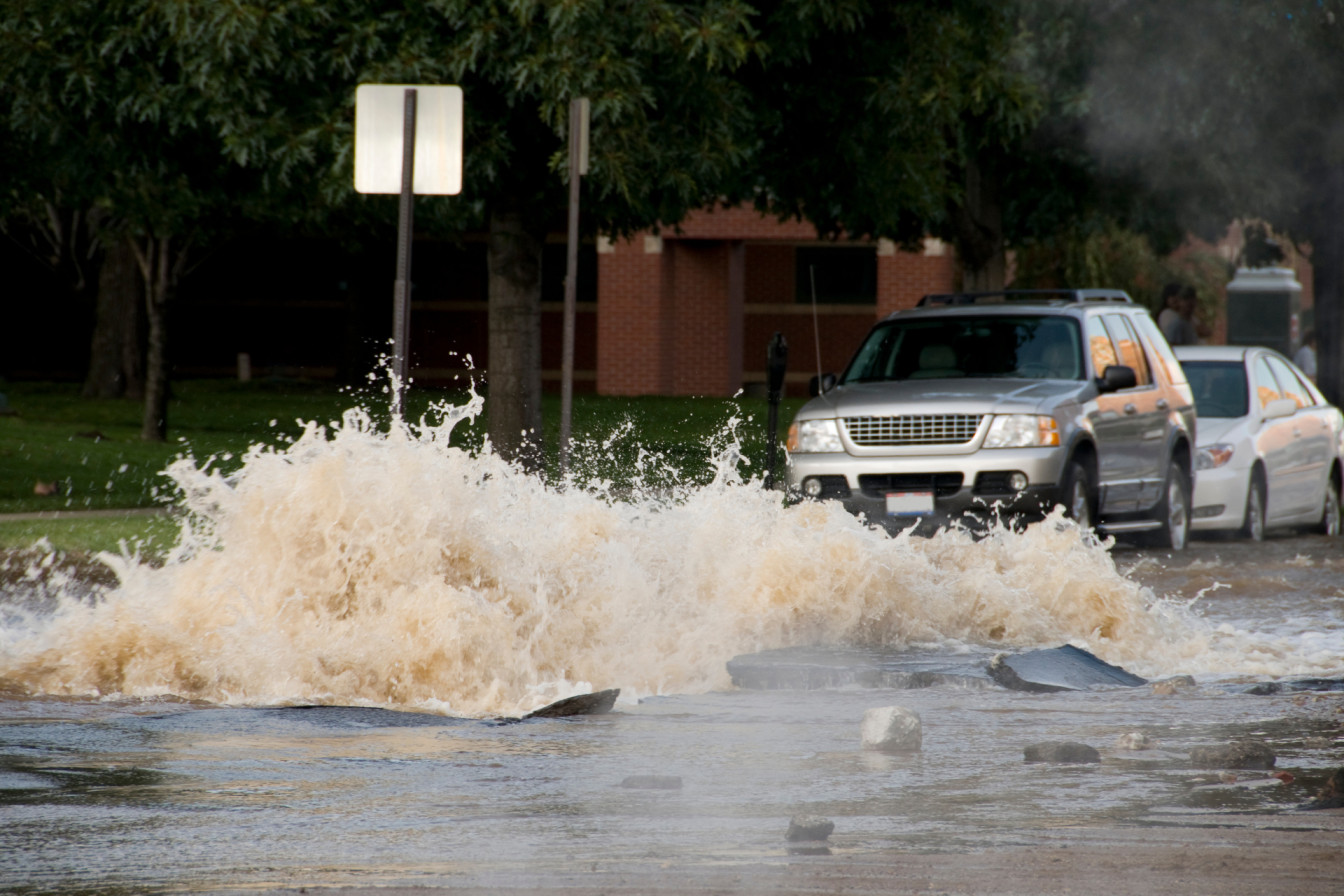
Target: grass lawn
[[81, 534], [91, 454]]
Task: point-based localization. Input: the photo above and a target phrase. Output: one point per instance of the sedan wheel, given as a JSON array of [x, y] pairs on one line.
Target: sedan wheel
[[1330, 513], [1254, 525]]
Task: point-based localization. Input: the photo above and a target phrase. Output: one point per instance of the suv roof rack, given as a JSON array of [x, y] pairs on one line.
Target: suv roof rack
[[1027, 295]]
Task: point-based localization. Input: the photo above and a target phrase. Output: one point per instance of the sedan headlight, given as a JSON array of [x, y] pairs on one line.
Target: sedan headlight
[[1211, 457], [1022, 431], [814, 437]]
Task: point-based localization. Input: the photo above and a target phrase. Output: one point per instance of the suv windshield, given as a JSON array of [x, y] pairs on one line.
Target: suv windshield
[[1023, 346]]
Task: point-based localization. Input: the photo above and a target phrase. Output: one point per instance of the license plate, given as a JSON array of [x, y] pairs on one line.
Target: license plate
[[909, 503]]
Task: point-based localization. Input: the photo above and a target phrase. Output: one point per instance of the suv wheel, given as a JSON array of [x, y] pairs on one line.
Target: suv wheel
[[1174, 510], [1254, 525], [1078, 495]]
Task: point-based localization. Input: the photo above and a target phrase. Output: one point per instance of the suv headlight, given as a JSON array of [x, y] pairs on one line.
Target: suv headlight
[[1210, 457], [814, 437], [1022, 431]]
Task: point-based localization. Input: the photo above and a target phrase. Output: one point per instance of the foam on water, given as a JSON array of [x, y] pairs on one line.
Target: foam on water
[[357, 566]]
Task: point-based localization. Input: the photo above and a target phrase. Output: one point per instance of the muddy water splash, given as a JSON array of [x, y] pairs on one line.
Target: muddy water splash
[[355, 566]]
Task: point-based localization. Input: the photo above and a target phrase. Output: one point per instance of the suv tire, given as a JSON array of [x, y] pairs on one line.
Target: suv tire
[[1079, 501], [1173, 511]]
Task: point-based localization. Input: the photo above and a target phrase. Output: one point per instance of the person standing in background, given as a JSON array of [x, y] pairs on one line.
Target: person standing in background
[[1169, 319], [1177, 317], [1306, 355]]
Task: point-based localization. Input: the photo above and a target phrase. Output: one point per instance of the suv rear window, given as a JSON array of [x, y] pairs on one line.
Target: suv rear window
[[1127, 342], [1162, 349], [1021, 346]]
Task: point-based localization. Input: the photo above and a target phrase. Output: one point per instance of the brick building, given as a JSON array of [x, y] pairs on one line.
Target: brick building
[[691, 311]]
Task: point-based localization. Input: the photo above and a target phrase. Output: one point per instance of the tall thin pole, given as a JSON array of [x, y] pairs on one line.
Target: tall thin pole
[[578, 165], [401, 298]]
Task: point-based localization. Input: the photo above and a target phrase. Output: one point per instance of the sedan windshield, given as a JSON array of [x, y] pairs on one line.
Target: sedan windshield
[[1219, 387], [1024, 347]]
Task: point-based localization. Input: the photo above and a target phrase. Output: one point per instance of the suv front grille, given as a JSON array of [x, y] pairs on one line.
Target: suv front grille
[[913, 429]]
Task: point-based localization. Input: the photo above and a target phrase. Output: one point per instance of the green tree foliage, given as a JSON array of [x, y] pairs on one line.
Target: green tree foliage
[[94, 95], [903, 120]]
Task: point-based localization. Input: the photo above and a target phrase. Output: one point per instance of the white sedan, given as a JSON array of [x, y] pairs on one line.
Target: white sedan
[[1269, 444]]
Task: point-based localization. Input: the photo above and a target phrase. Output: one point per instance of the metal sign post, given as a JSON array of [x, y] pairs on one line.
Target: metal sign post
[[401, 291], [408, 140], [578, 166]]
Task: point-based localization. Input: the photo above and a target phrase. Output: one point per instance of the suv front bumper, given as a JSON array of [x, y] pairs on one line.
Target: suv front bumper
[[974, 488]]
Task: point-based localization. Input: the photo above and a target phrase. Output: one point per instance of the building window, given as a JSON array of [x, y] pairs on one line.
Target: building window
[[844, 275]]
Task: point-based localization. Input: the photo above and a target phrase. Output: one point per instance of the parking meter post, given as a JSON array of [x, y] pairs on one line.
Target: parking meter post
[[776, 362], [401, 300]]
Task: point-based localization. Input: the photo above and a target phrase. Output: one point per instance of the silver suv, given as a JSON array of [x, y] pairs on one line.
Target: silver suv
[[984, 406]]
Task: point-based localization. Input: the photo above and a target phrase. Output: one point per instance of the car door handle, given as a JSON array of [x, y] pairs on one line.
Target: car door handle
[[1162, 404], [1131, 409]]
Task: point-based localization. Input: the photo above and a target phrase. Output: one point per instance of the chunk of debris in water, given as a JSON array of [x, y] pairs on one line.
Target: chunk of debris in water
[[1134, 740], [1061, 751], [1331, 796], [1174, 685], [593, 704], [892, 729], [1249, 753], [812, 828], [1066, 668], [652, 782]]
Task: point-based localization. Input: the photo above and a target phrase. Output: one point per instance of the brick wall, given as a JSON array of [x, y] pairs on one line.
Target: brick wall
[[631, 355], [701, 333]]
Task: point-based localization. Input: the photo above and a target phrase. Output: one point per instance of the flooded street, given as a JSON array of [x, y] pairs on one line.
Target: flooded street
[[315, 691]]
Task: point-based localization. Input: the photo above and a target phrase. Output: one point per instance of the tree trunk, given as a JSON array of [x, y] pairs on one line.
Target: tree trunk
[[116, 354], [514, 367], [978, 223], [160, 267]]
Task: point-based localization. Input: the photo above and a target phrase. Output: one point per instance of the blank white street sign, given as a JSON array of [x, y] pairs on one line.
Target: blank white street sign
[[379, 120]]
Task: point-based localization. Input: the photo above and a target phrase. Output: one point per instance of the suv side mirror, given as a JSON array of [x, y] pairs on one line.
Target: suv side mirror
[[822, 383], [1116, 377]]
